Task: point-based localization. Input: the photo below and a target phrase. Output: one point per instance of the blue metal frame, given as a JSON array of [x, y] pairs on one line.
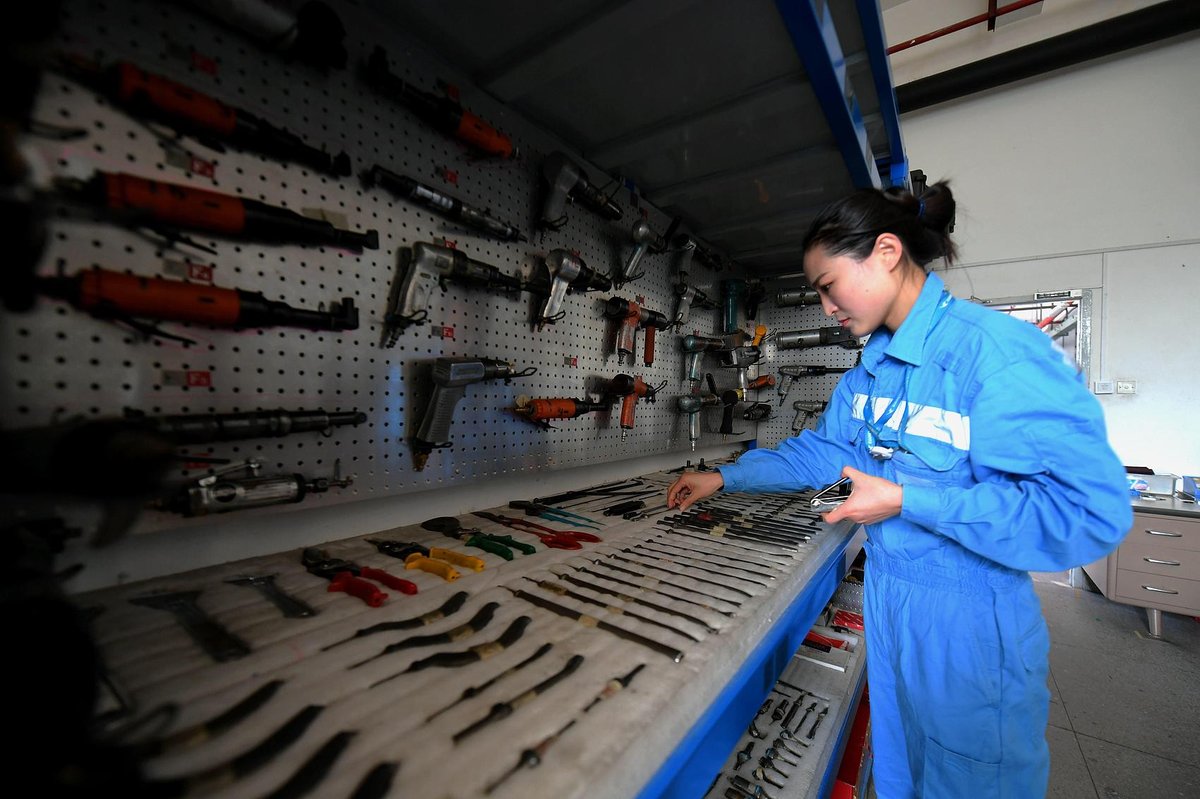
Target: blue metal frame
[[811, 27], [835, 762], [690, 769], [871, 19]]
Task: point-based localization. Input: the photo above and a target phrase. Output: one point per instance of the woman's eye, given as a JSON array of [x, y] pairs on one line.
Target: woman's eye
[[825, 288]]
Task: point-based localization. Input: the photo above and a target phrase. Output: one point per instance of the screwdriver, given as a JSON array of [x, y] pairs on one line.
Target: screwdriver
[[531, 757]]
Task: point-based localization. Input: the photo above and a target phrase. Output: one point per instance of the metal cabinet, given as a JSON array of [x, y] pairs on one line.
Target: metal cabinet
[[1157, 566]]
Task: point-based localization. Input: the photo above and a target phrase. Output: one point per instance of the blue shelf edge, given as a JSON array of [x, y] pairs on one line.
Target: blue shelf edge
[[689, 770]]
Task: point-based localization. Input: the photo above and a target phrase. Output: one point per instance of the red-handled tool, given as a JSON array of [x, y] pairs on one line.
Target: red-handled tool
[[555, 539], [352, 579]]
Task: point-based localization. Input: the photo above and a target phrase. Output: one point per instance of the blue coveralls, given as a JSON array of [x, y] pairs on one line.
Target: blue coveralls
[[1006, 468]]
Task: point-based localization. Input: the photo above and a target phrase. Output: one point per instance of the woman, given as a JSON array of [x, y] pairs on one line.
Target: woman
[[976, 454]]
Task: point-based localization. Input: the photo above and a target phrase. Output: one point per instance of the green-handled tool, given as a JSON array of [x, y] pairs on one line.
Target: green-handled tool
[[501, 545]]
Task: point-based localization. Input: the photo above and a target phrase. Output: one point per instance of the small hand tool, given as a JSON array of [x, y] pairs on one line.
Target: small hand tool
[[787, 720], [352, 579], [476, 690], [553, 514], [193, 736], [800, 726], [530, 758], [765, 706], [614, 685], [456, 660], [588, 621], [780, 709], [636, 600], [220, 644], [377, 782], [502, 710], [743, 756], [780, 743], [481, 619], [449, 607], [768, 763], [416, 556], [775, 754], [650, 588], [760, 773], [831, 496], [562, 590], [750, 788], [474, 537], [817, 723], [291, 607], [555, 539]]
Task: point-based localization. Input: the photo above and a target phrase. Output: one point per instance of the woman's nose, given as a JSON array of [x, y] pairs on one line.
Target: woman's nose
[[827, 305]]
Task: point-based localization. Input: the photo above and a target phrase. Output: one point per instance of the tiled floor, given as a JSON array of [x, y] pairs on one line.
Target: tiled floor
[[1124, 709]]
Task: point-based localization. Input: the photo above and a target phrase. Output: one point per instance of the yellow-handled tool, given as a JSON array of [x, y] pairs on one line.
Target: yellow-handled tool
[[457, 558]]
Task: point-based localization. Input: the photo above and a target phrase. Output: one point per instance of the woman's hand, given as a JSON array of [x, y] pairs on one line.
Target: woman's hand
[[872, 500], [691, 487]]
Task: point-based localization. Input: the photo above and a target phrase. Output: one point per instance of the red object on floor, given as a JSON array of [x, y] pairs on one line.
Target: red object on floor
[[855, 768]]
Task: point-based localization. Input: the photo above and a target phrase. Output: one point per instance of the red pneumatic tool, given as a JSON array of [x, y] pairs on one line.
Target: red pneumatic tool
[[630, 389], [204, 118], [106, 294], [555, 539], [154, 204], [352, 579]]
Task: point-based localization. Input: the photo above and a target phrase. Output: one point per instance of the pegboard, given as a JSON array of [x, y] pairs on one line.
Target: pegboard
[[779, 425], [60, 363]]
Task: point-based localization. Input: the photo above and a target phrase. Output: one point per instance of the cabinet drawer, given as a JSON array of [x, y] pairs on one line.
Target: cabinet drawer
[[1169, 531], [1172, 592], [1152, 557]]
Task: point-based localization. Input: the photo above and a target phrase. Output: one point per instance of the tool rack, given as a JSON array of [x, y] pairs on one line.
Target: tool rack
[[693, 709]]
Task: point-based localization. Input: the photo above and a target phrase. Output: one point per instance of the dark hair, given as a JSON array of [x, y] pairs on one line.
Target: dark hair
[[851, 225]]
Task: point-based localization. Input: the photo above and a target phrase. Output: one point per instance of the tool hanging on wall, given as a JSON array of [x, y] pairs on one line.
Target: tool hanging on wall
[[692, 404], [541, 411], [567, 273], [806, 410], [732, 292], [203, 428], [191, 112], [644, 240], [693, 250], [689, 296], [805, 295], [631, 315], [816, 337], [169, 207], [694, 347], [425, 267], [793, 373], [443, 112], [441, 203], [566, 180], [312, 34], [219, 493], [451, 376], [130, 299], [630, 390]]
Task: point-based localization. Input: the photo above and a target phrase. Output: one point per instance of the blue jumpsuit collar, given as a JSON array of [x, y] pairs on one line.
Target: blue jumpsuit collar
[[908, 343]]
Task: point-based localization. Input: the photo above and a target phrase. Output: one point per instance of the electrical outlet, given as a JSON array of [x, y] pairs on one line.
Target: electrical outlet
[[1126, 386], [1102, 387]]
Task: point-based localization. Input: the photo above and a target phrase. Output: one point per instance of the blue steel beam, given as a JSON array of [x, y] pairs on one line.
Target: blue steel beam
[[871, 20], [810, 25]]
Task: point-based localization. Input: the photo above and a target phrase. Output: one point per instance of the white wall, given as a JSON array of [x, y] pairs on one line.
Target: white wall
[[1088, 178]]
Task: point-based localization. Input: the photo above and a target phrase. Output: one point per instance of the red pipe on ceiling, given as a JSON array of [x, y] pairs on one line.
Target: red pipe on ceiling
[[989, 17]]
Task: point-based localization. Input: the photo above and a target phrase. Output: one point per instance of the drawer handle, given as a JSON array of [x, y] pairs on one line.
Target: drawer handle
[[1167, 535], [1162, 562], [1159, 590]]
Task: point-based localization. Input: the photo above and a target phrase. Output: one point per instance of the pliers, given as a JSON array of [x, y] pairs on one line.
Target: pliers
[[434, 561], [553, 514], [349, 577], [555, 539], [501, 545]]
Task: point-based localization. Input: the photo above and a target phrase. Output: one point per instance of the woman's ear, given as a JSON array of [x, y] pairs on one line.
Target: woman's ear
[[889, 250]]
